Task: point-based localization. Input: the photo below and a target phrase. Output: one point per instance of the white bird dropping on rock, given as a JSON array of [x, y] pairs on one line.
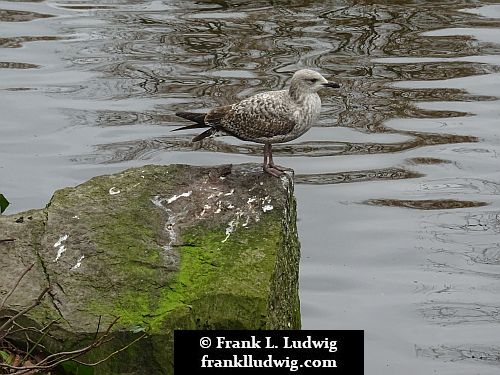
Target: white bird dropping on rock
[[269, 117]]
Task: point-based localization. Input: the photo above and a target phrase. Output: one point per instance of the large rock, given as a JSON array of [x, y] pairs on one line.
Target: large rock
[[162, 247]]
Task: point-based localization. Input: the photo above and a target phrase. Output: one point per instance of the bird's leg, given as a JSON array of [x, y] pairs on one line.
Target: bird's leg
[[265, 155], [269, 166], [275, 166]]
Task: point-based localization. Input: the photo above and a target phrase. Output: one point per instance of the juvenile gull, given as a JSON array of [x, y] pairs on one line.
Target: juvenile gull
[[269, 117]]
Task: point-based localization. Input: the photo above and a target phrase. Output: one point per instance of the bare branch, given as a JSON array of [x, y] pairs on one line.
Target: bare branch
[[16, 285], [25, 365], [4, 334], [34, 329], [94, 344], [30, 307], [114, 353], [37, 342], [98, 326]]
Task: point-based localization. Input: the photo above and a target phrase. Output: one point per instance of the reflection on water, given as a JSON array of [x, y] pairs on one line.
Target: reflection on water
[[92, 87], [425, 204], [8, 15], [17, 42], [478, 354], [145, 149], [15, 65], [355, 176], [451, 313], [427, 160]]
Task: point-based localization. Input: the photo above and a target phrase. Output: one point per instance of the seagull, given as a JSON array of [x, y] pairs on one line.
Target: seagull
[[269, 117]]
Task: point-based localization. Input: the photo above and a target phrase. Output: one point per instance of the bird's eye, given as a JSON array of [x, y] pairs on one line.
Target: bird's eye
[[313, 80]]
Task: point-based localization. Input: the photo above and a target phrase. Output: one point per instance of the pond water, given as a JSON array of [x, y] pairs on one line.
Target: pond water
[[397, 185]]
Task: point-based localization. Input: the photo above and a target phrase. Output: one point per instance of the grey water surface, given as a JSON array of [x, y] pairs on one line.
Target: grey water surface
[[397, 185]]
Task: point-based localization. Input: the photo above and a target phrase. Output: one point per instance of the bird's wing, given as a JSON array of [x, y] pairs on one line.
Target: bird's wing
[[260, 116], [215, 116]]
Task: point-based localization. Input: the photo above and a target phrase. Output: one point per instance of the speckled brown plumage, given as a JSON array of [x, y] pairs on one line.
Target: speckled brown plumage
[[269, 117]]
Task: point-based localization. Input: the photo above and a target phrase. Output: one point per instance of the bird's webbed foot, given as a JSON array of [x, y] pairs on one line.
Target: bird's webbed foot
[[276, 170], [281, 169], [269, 166], [272, 170]]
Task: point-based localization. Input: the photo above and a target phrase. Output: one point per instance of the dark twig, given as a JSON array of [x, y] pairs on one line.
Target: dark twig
[[10, 326], [83, 350], [16, 285], [55, 359], [98, 326], [44, 332], [114, 353], [31, 329], [29, 308], [5, 333]]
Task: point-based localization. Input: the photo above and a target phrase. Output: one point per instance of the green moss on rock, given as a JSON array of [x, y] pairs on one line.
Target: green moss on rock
[[163, 248]]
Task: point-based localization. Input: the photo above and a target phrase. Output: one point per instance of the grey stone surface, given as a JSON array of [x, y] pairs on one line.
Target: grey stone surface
[[162, 247]]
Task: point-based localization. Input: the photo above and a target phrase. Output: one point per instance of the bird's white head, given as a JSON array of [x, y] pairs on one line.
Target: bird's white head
[[306, 81]]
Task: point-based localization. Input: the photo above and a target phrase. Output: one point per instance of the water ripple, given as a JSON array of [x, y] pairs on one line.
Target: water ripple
[[11, 15], [467, 353], [451, 313], [355, 176], [414, 126], [425, 204]]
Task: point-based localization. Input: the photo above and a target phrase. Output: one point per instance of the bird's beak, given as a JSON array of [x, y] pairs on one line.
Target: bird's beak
[[333, 85]]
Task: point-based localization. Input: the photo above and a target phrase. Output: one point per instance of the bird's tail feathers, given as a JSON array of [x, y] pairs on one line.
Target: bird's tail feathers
[[193, 126], [205, 134], [199, 118]]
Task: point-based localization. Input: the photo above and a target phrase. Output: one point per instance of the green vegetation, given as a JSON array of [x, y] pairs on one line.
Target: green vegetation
[[162, 248], [4, 203]]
